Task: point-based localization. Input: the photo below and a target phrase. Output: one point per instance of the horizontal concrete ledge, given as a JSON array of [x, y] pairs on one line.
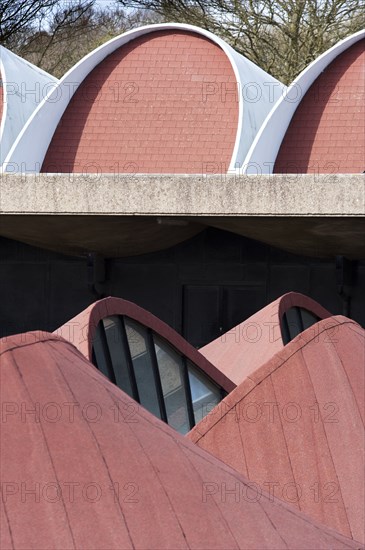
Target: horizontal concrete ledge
[[301, 195]]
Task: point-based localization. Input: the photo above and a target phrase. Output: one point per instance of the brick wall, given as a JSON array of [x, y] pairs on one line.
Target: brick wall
[[144, 109], [327, 132]]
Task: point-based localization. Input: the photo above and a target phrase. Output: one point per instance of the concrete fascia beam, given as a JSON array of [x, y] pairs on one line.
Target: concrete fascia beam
[[303, 195]]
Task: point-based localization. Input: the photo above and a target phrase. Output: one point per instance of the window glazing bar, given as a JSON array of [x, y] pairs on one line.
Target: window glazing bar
[[299, 319], [156, 375], [285, 330], [100, 333], [189, 398], [129, 360]]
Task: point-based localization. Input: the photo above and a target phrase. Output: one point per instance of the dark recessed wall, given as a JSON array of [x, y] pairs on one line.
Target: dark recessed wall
[[201, 287]]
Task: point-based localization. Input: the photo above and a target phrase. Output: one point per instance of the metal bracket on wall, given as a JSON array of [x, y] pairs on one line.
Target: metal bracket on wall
[[96, 274], [344, 281]]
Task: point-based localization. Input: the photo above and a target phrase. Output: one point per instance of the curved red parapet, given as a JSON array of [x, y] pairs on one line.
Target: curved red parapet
[[149, 361], [81, 330], [83, 466], [226, 361], [244, 348], [296, 425]]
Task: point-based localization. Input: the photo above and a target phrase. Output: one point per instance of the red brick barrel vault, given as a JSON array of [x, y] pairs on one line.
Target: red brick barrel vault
[[327, 131], [144, 109]]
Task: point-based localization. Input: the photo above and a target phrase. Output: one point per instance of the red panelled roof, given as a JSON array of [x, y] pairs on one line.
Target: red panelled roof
[[295, 425], [83, 466]]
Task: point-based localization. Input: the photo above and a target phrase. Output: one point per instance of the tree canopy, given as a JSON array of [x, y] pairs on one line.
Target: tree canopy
[[18, 18], [55, 34], [280, 36]]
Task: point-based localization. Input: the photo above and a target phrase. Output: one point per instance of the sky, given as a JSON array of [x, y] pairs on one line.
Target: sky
[[104, 3]]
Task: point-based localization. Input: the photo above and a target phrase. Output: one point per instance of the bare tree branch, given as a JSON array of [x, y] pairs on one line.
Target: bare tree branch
[[281, 36]]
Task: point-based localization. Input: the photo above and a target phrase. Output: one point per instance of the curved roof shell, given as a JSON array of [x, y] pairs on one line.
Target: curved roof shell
[[296, 425], [90, 480], [24, 86], [263, 152], [327, 131], [254, 101], [242, 350], [81, 330]]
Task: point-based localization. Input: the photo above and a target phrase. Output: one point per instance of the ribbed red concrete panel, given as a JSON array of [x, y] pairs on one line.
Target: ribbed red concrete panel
[[162, 103], [80, 331], [327, 132], [243, 349], [84, 467], [296, 425]]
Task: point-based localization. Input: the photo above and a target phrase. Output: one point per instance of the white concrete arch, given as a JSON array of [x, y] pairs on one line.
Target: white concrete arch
[[258, 89], [24, 87], [262, 154]]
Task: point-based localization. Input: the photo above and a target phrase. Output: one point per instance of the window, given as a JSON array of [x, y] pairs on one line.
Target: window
[[141, 363], [117, 354], [203, 393], [155, 374], [171, 369], [295, 320]]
